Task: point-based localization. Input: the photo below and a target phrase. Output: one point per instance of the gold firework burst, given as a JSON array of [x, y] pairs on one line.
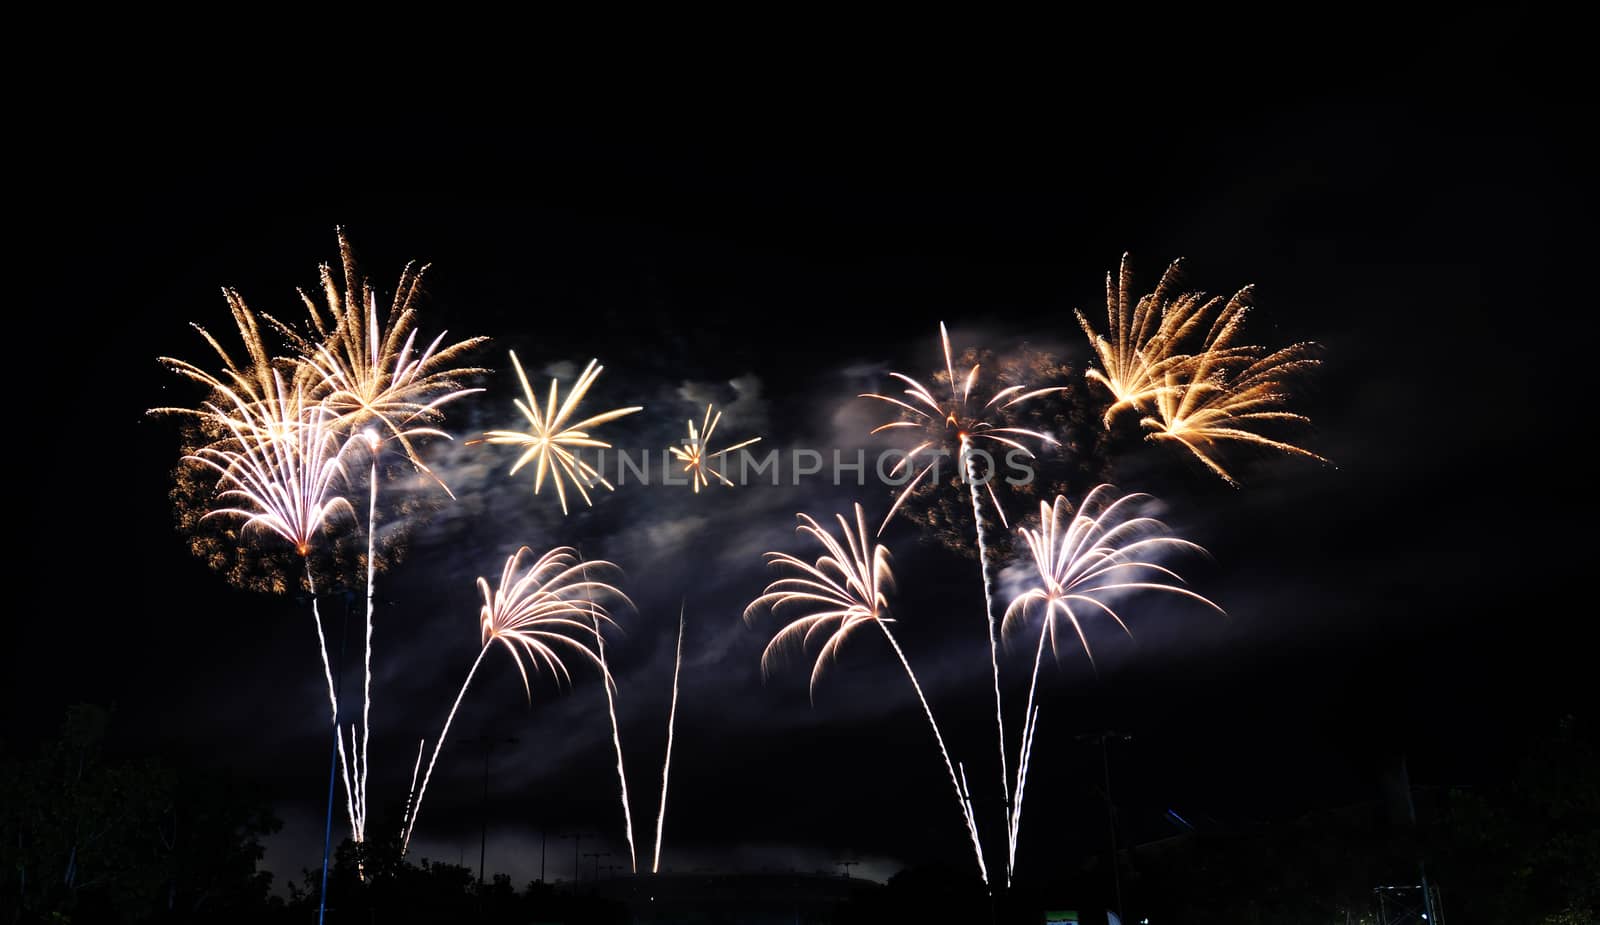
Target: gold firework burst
[[552, 437], [696, 455], [373, 371], [248, 380], [1147, 336], [1204, 404]]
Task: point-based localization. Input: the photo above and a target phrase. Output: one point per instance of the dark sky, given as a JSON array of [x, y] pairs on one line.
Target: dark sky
[[1412, 205]]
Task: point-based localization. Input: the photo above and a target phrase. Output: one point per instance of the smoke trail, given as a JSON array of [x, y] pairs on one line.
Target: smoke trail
[[666, 766], [963, 801], [416, 811]]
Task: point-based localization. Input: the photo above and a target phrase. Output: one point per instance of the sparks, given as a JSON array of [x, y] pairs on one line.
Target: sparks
[[551, 439], [696, 454]]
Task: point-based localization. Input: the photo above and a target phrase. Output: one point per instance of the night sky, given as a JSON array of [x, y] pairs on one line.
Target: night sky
[[1417, 215]]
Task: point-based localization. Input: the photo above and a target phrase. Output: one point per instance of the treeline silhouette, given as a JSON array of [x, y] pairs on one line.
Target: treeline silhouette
[[87, 837]]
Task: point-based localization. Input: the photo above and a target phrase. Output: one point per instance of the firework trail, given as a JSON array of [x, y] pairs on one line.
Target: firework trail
[[616, 742], [845, 589], [376, 380], [529, 613], [937, 423], [666, 765], [551, 438], [696, 454], [1086, 559], [411, 791]]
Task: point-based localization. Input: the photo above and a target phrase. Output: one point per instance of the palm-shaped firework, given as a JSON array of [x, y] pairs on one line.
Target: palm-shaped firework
[[696, 453], [1214, 401], [552, 435], [1082, 563], [247, 381], [534, 614], [278, 471], [1147, 337], [963, 421], [1176, 360], [843, 591]]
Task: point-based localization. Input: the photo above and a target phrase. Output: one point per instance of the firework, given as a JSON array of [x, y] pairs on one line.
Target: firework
[[551, 437], [696, 454], [247, 382], [376, 379], [1215, 400], [1085, 561], [1176, 360], [278, 471], [533, 613], [666, 764], [843, 591], [1147, 336], [375, 372], [964, 422]]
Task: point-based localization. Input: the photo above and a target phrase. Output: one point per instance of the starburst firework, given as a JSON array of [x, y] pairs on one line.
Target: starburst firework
[[696, 454], [552, 437]]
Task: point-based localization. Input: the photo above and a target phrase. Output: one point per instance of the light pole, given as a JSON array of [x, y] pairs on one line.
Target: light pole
[[577, 839], [488, 743], [1103, 738]]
